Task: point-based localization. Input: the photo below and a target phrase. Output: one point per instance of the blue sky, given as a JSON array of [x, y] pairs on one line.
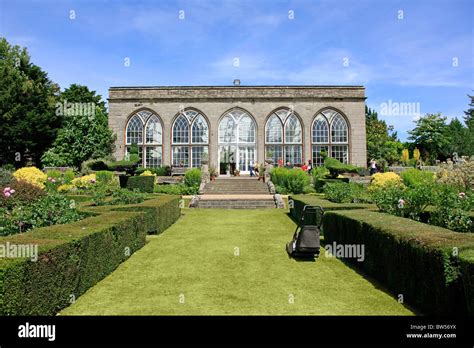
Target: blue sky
[[426, 57]]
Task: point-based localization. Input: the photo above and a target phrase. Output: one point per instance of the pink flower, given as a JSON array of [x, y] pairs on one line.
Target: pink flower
[[53, 180], [93, 181], [6, 189], [12, 191], [462, 195], [401, 203], [7, 194]]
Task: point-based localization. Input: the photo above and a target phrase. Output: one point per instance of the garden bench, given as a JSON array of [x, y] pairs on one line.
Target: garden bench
[[178, 170]]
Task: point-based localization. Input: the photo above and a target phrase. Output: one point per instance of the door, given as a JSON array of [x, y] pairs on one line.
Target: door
[[246, 158]]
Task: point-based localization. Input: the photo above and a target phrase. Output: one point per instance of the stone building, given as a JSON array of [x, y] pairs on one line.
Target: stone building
[[236, 126]]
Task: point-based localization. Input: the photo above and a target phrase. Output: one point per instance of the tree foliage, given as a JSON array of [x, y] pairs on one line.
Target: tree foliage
[[28, 122], [382, 142], [83, 136], [430, 135]]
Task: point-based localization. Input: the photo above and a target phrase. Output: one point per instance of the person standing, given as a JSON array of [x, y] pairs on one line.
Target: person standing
[[373, 166]]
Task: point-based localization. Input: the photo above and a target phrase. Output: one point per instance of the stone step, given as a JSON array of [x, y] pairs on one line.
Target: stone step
[[237, 204]]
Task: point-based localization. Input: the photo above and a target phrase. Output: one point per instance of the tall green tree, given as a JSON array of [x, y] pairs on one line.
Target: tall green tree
[[457, 134], [382, 142], [85, 133], [431, 137], [28, 122], [469, 121]]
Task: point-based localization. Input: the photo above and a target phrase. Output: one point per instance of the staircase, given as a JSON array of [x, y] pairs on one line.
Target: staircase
[[236, 193], [236, 186]]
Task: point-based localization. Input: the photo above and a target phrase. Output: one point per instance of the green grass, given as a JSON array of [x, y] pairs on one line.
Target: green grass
[[195, 258]]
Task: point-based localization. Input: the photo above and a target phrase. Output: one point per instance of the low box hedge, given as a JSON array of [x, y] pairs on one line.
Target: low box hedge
[[142, 183], [299, 201], [410, 258], [74, 257]]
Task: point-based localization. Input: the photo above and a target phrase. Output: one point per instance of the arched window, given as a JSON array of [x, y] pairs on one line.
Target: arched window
[[284, 137], [186, 150], [145, 130], [237, 142], [330, 134]]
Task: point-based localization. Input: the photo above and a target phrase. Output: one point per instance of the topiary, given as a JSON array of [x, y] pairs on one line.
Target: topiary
[[336, 168]]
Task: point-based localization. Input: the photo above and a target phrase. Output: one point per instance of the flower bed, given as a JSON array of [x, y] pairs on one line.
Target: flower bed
[[74, 257]]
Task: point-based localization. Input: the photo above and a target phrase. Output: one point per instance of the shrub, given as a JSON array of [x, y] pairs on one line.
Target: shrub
[[126, 196], [380, 180], [85, 182], [320, 183], [104, 176], [128, 166], [388, 197], [192, 178], [341, 192], [290, 180], [281, 190], [460, 175], [147, 173], [5, 177], [31, 175], [48, 210], [68, 176], [452, 209], [25, 193], [160, 171], [308, 189], [336, 168], [171, 189], [408, 257], [74, 257], [412, 177], [141, 183], [320, 172], [93, 165]]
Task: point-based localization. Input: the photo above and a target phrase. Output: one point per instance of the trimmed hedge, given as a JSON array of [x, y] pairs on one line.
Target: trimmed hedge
[[74, 257], [299, 201], [410, 258], [142, 183]]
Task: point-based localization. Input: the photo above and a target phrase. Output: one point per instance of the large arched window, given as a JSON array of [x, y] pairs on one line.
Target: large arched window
[[144, 129], [190, 139], [237, 142], [284, 137], [330, 134]]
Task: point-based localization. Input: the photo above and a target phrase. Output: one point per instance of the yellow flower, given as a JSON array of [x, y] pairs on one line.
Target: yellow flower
[[84, 181], [31, 175], [383, 179], [65, 187], [147, 173]]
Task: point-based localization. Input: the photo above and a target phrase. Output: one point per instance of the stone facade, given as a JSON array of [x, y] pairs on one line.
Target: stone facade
[[260, 102]]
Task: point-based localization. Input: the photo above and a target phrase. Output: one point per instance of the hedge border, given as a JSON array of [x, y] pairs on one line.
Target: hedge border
[[74, 257], [410, 258]]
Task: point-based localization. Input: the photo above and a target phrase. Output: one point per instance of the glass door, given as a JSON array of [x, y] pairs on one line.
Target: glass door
[[246, 158]]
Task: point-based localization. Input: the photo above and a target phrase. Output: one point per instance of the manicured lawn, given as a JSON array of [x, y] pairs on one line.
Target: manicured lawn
[[194, 261]]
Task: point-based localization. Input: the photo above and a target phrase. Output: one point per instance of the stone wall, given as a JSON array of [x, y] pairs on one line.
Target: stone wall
[[260, 102]]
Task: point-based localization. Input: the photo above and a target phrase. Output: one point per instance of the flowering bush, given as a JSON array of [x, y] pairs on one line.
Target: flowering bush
[[66, 188], [460, 175], [85, 181], [412, 177], [19, 192], [452, 209], [31, 175], [147, 173], [52, 209], [380, 180]]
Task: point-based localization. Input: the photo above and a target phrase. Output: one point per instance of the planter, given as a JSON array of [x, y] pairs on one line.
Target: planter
[[123, 179]]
